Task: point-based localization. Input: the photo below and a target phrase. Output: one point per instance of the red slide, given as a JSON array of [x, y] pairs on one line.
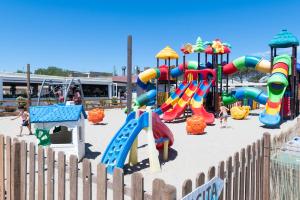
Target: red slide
[[160, 130], [182, 103]]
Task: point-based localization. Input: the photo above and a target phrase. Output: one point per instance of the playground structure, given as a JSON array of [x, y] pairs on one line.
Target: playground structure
[[282, 100], [59, 92]]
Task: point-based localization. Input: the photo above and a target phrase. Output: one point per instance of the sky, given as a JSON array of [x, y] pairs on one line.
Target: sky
[[90, 35]]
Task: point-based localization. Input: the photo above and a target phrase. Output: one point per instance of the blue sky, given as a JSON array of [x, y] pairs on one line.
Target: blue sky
[[89, 35]]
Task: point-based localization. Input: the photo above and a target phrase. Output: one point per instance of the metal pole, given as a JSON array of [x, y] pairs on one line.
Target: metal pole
[[129, 73], [156, 102], [28, 87], [169, 66], [297, 81], [184, 68], [221, 83], [227, 61], [176, 77]]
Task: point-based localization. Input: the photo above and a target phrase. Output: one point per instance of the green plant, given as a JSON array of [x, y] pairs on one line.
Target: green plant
[[114, 101]]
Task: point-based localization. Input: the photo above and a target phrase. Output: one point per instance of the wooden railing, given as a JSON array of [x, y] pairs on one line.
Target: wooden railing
[[49, 173], [246, 175]]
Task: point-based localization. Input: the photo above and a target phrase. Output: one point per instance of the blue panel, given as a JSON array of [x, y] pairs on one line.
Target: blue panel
[[251, 61], [118, 148], [55, 113]]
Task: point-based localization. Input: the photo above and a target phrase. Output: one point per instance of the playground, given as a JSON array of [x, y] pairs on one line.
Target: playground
[[191, 154], [185, 118]]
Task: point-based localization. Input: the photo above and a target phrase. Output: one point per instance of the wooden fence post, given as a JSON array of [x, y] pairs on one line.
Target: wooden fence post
[[101, 182], [8, 167], [2, 168], [235, 185], [169, 192], [50, 174], [41, 173], [23, 156], [61, 182], [137, 186], [221, 174], [258, 172], [157, 186], [16, 172], [266, 167], [247, 173], [211, 173], [118, 184], [229, 178], [253, 161], [187, 187], [87, 179], [200, 179], [73, 177], [31, 171], [242, 174]]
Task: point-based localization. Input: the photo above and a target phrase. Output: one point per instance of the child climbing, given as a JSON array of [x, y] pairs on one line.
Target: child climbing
[[25, 120], [223, 115]]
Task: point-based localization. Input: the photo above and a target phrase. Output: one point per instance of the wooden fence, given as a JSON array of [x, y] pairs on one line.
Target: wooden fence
[[246, 175], [27, 174]]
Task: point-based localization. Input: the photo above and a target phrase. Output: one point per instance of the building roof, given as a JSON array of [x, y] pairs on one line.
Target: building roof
[[36, 78], [284, 39], [56, 113], [123, 79]]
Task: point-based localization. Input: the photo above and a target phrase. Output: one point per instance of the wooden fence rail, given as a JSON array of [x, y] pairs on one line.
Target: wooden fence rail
[[246, 175], [21, 166]]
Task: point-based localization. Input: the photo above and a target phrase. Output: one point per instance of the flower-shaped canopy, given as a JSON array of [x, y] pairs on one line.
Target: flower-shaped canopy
[[284, 39], [187, 48], [217, 47], [167, 53]]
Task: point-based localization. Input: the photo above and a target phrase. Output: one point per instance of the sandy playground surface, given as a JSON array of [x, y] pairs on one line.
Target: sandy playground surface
[[188, 156]]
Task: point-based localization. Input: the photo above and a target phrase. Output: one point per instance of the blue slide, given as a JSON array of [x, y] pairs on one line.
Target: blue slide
[[118, 148]]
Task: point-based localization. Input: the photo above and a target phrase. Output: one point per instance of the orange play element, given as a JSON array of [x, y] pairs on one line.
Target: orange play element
[[96, 115], [195, 125]]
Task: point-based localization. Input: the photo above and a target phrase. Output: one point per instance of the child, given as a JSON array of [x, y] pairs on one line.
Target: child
[[223, 115], [25, 120]]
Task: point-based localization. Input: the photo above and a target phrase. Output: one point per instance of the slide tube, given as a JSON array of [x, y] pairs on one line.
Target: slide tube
[[257, 63], [245, 93], [178, 71], [276, 85]]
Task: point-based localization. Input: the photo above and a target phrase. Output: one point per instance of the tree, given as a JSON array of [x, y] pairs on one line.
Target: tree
[[52, 71], [20, 71], [199, 45]]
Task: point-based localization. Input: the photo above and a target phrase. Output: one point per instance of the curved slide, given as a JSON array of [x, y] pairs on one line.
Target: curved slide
[[245, 92], [276, 85], [197, 102], [257, 63], [182, 103], [118, 148]]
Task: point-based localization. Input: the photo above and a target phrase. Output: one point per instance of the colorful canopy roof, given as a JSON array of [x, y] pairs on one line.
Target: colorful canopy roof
[[284, 39], [167, 53], [217, 47]]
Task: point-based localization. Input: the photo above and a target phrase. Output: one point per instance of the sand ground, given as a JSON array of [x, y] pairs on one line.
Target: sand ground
[[188, 156]]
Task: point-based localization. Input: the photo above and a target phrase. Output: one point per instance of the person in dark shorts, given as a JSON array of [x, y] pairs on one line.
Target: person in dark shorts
[[25, 120]]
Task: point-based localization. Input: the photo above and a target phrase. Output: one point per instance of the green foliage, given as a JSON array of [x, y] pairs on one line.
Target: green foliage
[[20, 71], [114, 101], [52, 71]]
